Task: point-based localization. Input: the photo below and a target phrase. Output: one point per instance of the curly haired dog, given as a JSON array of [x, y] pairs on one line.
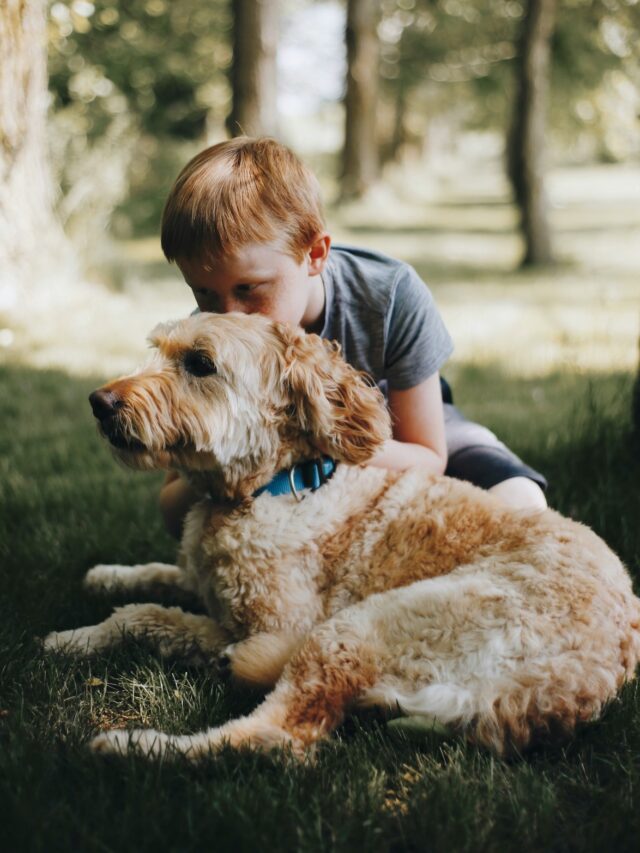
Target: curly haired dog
[[419, 594]]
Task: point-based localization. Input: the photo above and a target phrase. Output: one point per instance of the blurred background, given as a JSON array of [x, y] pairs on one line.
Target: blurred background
[[493, 144]]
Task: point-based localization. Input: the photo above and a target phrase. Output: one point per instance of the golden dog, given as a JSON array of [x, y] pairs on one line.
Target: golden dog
[[423, 595]]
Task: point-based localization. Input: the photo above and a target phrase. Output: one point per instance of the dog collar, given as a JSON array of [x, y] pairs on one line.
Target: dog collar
[[310, 474]]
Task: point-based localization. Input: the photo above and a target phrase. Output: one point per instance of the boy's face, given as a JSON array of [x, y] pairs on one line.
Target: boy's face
[[260, 278]]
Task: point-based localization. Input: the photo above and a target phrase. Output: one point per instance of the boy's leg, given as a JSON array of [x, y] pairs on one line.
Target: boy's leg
[[520, 493], [477, 455]]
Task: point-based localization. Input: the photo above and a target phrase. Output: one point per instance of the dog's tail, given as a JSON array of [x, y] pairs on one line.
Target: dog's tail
[[259, 660], [542, 706], [509, 714]]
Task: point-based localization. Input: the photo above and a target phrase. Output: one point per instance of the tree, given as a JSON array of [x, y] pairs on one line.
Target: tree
[[635, 405], [30, 235], [526, 145], [253, 71], [360, 165]]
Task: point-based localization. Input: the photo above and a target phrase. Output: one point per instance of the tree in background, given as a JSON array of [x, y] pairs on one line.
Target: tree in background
[[635, 405], [253, 71], [527, 140], [31, 239], [360, 163]]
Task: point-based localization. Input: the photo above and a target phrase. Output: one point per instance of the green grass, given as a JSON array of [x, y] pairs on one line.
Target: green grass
[[65, 505]]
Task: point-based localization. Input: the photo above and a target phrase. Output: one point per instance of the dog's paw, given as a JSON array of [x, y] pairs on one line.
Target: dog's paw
[[106, 578], [147, 742], [224, 660], [78, 641]]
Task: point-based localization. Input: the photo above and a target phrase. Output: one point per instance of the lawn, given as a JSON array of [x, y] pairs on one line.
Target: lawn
[[546, 359], [64, 505]]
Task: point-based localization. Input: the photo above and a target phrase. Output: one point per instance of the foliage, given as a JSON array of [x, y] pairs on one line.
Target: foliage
[[138, 74], [164, 62]]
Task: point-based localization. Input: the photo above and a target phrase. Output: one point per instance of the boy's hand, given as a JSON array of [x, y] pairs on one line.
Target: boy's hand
[[400, 455]]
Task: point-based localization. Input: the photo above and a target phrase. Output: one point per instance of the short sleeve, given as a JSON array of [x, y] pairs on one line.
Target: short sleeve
[[417, 341]]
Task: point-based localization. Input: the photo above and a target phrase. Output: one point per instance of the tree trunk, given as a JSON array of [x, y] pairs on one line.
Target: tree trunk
[[635, 404], [253, 71], [526, 148], [31, 238], [391, 148], [360, 155]]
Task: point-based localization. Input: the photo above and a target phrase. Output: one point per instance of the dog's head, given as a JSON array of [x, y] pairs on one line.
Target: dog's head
[[241, 395]]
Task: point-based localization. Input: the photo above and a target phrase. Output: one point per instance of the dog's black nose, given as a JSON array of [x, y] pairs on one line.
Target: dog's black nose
[[104, 404]]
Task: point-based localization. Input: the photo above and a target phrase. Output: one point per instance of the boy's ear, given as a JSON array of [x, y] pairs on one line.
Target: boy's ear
[[343, 413], [318, 253]]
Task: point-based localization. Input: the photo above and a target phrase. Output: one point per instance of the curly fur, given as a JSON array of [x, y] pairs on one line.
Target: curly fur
[[418, 594]]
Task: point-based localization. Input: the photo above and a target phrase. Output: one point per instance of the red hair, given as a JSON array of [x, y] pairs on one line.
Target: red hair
[[238, 192]]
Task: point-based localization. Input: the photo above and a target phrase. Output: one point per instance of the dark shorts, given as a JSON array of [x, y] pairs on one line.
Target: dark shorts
[[477, 455]]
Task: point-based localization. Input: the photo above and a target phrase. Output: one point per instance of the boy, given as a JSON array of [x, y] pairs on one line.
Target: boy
[[244, 224]]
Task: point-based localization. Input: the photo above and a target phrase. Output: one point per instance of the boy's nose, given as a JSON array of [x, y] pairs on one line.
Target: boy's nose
[[230, 304], [104, 403]]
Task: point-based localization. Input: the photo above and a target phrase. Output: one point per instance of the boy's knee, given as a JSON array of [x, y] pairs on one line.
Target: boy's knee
[[520, 493]]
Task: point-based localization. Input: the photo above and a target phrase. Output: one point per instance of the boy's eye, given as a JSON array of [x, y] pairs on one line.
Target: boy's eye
[[198, 363], [256, 289], [245, 289]]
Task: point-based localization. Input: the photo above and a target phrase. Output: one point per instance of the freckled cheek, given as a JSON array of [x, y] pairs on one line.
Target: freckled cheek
[[266, 306], [288, 308]]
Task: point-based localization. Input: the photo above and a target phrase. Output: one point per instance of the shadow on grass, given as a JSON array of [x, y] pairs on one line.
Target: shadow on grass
[[64, 505]]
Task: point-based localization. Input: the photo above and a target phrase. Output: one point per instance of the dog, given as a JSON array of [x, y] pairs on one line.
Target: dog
[[356, 586]]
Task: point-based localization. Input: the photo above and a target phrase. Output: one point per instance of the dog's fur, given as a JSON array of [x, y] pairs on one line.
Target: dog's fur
[[420, 594]]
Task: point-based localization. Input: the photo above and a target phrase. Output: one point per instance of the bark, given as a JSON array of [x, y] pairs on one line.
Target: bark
[[526, 149], [31, 238], [390, 147], [635, 404], [253, 71], [360, 167]]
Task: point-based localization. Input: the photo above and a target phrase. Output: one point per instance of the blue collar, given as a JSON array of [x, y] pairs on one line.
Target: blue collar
[[310, 474]]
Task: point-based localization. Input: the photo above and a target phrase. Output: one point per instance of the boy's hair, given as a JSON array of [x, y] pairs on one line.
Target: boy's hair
[[238, 192]]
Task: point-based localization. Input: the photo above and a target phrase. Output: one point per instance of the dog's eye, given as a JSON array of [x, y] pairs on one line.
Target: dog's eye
[[199, 364]]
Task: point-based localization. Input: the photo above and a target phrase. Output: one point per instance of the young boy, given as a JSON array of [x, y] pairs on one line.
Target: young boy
[[244, 224]]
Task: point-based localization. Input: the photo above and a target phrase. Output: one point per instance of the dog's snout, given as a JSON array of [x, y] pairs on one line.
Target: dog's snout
[[104, 403]]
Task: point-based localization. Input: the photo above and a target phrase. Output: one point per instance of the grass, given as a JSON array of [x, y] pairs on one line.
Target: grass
[[64, 505]]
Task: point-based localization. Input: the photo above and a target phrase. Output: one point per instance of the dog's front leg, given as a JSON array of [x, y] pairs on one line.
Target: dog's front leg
[[171, 631], [149, 578], [323, 678]]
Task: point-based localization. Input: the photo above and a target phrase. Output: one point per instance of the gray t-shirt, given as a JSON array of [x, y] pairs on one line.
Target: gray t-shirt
[[384, 317]]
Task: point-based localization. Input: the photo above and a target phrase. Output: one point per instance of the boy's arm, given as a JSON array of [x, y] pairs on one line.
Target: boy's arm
[[418, 429], [176, 499]]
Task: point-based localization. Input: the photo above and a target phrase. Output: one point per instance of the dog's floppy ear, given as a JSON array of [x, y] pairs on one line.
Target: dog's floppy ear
[[343, 412]]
